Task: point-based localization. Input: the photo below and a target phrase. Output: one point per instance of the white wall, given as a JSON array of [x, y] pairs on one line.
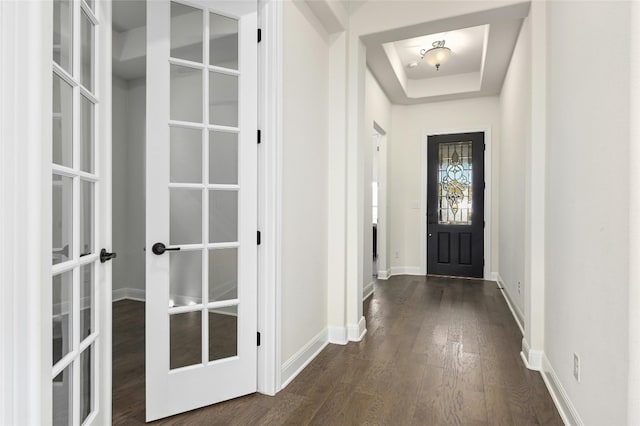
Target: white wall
[[515, 104], [304, 177], [120, 114], [378, 110], [128, 152], [410, 125], [587, 205]]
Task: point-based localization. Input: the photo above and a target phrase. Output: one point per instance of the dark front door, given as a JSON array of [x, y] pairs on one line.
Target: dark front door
[[455, 205]]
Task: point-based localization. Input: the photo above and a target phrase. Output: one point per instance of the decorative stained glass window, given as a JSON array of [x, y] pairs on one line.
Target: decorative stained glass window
[[455, 189]]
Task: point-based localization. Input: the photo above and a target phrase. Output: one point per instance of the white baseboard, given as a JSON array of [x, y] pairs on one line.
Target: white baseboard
[[559, 396], [405, 270], [532, 357], [338, 335], [367, 290], [383, 275], [128, 293], [515, 311], [357, 331], [294, 365]]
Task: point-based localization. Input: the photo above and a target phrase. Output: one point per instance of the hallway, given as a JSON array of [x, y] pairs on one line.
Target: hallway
[[437, 351]]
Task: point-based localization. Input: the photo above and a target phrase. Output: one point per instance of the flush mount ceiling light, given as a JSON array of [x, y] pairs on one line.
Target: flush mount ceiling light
[[437, 55]]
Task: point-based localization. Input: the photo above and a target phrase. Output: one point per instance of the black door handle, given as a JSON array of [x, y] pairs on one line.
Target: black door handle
[[160, 248], [104, 255]]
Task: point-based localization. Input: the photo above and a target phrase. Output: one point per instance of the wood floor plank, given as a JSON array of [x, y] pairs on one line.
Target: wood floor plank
[[497, 403], [472, 372], [437, 351], [474, 407]]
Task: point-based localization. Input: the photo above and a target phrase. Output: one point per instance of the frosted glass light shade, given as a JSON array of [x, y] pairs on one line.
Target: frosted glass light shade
[[437, 55]]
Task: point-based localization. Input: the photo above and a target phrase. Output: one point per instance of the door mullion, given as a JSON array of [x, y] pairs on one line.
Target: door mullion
[[206, 192], [75, 218]]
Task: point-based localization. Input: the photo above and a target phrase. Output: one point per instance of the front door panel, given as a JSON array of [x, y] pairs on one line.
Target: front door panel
[[201, 250], [455, 205]]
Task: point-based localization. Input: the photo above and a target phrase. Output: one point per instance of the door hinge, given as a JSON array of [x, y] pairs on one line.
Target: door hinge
[[484, 184], [484, 223], [259, 238], [484, 146], [258, 338], [259, 35], [259, 136]]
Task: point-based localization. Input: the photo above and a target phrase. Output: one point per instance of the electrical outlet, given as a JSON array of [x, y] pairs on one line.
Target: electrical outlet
[[519, 286], [397, 254], [576, 367]]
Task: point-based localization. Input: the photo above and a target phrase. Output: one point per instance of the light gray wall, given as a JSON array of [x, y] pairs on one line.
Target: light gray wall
[[128, 183], [304, 178], [515, 104], [119, 147], [587, 204]]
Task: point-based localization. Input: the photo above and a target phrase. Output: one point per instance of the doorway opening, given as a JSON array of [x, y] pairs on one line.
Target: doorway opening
[[129, 88], [375, 197]]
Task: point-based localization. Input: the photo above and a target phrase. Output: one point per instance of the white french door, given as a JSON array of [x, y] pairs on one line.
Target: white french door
[[80, 206], [201, 204]]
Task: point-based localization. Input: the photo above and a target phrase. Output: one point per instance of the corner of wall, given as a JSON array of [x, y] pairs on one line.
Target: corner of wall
[[298, 361]]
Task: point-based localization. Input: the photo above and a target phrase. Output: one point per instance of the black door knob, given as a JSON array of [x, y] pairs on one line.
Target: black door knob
[[104, 255], [160, 248]]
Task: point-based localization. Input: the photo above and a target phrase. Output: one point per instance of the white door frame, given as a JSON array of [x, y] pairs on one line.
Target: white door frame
[[25, 186], [487, 195], [270, 19]]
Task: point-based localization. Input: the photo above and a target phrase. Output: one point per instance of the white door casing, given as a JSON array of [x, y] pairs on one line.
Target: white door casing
[[201, 197]]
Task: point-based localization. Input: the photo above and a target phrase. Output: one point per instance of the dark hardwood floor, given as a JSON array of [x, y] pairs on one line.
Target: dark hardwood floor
[[437, 351]]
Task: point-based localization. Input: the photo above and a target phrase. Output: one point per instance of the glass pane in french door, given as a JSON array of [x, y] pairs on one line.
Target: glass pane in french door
[[62, 33], [185, 280], [62, 218], [87, 373], [62, 388], [223, 274], [223, 41], [223, 333], [87, 215], [87, 298], [75, 187], [61, 316], [185, 155], [62, 122], [186, 94], [223, 99], [86, 135], [87, 47], [186, 339], [223, 158], [187, 32]]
